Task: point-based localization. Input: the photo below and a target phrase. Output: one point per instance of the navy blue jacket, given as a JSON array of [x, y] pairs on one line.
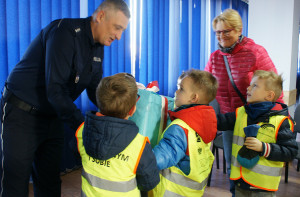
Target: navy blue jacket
[[104, 137], [59, 64], [285, 149]]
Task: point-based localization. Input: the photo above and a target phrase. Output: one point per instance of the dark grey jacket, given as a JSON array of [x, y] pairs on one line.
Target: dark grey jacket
[[285, 148], [104, 137]]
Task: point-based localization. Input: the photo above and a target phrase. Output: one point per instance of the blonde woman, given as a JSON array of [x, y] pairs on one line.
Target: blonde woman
[[244, 57]]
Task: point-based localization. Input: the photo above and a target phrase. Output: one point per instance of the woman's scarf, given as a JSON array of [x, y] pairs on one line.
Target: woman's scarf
[[230, 49]]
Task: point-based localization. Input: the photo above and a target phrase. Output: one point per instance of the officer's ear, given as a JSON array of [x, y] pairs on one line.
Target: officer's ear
[[100, 16]]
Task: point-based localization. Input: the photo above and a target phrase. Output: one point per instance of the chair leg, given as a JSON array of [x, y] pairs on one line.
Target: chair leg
[[286, 172], [214, 150], [217, 155], [209, 177], [224, 163], [298, 165]]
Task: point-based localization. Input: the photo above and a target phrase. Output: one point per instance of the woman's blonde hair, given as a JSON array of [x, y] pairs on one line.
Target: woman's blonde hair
[[231, 18]]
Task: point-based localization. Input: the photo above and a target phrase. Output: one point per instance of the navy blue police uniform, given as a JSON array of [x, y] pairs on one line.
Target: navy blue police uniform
[[59, 64]]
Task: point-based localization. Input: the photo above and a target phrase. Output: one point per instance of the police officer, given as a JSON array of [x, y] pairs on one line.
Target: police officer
[[61, 62]]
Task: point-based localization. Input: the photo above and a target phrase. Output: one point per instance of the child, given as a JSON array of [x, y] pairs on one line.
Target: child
[[116, 159], [183, 153], [272, 139]]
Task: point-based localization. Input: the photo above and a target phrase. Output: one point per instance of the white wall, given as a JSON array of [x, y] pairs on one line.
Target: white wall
[[274, 24]]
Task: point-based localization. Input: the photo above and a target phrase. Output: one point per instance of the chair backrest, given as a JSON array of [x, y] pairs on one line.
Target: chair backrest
[[215, 105], [297, 119]]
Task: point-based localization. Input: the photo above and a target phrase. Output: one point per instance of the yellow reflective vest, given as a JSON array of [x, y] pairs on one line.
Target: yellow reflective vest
[[115, 176], [173, 182], [265, 174]]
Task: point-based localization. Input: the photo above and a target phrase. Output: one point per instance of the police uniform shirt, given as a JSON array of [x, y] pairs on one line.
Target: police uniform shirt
[[61, 62]]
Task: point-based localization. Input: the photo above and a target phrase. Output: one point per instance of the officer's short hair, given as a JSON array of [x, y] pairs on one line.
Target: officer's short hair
[[113, 5], [117, 95]]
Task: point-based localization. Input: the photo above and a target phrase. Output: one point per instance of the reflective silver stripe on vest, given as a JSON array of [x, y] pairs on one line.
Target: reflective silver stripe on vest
[[182, 180], [261, 169], [121, 186], [235, 162], [171, 194], [238, 140]]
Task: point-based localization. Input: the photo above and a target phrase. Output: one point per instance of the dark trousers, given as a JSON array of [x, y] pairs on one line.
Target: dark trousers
[[239, 192], [30, 145]]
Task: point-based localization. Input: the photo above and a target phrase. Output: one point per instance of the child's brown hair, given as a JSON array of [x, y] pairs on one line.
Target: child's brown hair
[[204, 81], [117, 95], [273, 81]]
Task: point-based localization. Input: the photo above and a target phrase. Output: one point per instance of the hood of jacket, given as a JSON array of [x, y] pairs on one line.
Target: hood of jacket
[[201, 118], [277, 109], [104, 137]]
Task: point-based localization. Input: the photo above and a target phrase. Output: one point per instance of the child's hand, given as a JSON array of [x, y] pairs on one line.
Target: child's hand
[[253, 144]]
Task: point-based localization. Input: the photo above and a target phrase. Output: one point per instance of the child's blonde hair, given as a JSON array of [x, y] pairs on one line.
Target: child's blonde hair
[[204, 81], [117, 95], [273, 81]]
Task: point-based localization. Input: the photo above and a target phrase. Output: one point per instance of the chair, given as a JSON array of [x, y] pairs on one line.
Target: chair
[[296, 129], [217, 144], [287, 164]]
